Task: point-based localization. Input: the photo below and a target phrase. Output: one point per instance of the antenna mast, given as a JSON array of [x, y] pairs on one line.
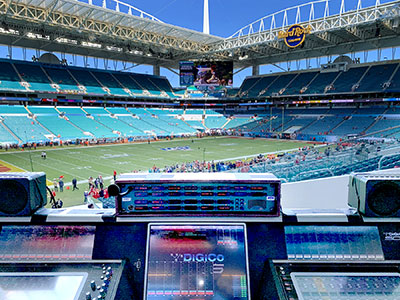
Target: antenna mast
[[206, 18]]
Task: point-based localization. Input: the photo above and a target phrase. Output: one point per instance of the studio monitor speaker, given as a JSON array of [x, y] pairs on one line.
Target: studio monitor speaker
[[375, 195], [21, 194]]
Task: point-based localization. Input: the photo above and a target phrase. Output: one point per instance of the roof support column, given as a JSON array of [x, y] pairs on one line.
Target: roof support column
[[156, 70], [255, 70]]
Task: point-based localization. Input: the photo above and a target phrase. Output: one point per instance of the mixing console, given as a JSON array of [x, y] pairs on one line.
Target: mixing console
[[336, 281]]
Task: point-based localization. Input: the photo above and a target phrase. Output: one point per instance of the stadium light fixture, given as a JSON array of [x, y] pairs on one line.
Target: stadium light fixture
[[37, 36], [92, 45]]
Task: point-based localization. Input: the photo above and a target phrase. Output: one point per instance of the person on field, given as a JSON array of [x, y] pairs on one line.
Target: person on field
[[61, 184], [74, 184]]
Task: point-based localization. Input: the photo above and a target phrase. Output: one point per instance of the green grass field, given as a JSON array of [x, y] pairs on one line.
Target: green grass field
[[82, 162]]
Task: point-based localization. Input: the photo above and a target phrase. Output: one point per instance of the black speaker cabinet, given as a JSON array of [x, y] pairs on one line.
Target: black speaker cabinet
[[21, 194], [375, 195]]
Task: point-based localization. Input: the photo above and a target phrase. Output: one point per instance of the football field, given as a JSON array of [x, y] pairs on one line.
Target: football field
[[80, 162]]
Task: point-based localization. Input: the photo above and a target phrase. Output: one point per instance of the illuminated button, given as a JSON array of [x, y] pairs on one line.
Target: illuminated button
[[157, 202], [207, 207], [140, 201], [158, 208], [224, 208], [191, 194], [141, 208], [222, 194], [207, 194]]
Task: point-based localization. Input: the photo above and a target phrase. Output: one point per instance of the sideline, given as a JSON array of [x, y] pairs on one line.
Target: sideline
[[107, 145]]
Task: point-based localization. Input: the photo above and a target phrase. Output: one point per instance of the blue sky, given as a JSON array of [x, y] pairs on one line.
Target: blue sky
[[226, 16]]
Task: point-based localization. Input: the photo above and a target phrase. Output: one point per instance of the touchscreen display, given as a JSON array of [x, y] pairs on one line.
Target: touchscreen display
[[41, 286], [196, 261]]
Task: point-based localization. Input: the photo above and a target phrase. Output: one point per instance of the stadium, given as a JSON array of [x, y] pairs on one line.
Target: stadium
[[306, 98]]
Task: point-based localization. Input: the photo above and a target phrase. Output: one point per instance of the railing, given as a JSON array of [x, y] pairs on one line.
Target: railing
[[267, 29], [334, 164], [121, 6]]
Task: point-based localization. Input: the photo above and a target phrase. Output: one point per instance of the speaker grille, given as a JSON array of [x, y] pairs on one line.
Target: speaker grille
[[13, 197], [384, 198]]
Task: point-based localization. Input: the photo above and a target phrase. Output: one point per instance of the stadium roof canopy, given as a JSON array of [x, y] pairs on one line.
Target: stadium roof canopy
[[123, 32]]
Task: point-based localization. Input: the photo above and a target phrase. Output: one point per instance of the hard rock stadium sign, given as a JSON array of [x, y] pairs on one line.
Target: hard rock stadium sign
[[295, 35]]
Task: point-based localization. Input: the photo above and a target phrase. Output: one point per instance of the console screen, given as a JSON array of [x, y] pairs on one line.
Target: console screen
[[196, 262], [344, 286], [41, 286]]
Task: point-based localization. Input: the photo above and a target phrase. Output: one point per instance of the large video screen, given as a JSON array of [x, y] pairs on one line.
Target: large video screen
[[196, 261], [206, 73]]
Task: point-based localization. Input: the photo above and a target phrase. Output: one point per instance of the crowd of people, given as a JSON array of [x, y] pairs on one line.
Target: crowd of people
[[297, 156]]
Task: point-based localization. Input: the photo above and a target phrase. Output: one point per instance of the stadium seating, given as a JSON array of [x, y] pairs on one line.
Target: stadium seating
[[13, 109], [301, 81], [279, 84], [6, 137], [26, 129], [319, 84], [163, 85], [169, 118], [86, 79], [88, 125], [346, 80], [35, 76], [60, 127], [375, 77], [247, 85], [127, 82], [62, 78], [371, 78], [394, 82], [71, 122], [108, 80], [355, 124], [237, 121], [261, 86], [9, 79], [145, 83], [215, 122]]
